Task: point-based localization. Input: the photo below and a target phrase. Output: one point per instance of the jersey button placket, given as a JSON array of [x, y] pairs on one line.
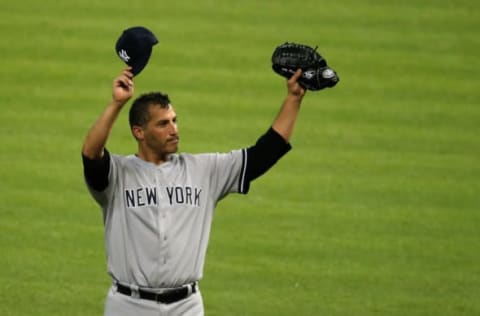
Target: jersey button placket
[[163, 235], [162, 225]]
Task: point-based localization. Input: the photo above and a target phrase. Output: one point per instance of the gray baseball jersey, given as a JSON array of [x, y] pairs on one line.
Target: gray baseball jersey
[[158, 218]]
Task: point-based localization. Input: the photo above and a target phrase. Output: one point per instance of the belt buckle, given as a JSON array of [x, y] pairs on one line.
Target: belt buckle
[[158, 297], [164, 298]]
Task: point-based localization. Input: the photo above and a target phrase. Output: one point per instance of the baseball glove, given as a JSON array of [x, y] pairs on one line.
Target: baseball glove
[[289, 57]]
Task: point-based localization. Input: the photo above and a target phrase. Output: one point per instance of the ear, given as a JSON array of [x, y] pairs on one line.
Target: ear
[[138, 133]]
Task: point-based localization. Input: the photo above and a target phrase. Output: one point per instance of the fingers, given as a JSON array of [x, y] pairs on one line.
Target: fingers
[[294, 88], [128, 72], [123, 87], [296, 75], [128, 75], [126, 78]]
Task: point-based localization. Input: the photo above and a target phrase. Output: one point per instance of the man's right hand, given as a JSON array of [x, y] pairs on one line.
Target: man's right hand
[[123, 87]]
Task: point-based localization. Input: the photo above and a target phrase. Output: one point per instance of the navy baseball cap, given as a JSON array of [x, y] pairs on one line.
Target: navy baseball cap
[[134, 47]]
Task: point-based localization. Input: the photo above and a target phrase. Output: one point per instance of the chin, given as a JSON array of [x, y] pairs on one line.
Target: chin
[[173, 150]]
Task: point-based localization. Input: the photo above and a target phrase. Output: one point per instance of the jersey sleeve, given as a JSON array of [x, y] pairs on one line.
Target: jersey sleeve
[[234, 171], [100, 177], [228, 173]]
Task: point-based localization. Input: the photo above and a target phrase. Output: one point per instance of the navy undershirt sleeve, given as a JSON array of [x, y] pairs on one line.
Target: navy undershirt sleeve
[[268, 149], [96, 171]]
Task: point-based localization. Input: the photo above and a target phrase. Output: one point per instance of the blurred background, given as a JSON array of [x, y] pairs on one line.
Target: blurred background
[[375, 211]]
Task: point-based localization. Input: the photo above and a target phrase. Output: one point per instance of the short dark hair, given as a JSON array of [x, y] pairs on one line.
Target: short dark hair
[[139, 115]]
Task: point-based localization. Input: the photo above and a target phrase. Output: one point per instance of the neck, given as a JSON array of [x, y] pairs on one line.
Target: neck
[[152, 157]]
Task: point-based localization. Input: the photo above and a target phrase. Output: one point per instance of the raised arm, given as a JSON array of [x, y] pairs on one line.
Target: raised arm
[[97, 136], [284, 123], [271, 146]]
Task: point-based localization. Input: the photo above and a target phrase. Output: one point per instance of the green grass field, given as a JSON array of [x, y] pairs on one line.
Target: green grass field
[[376, 211]]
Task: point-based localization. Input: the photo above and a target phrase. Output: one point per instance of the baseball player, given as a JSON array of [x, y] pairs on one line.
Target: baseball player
[[158, 205]]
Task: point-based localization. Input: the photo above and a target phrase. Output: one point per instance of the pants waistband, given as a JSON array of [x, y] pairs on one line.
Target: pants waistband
[[167, 297]]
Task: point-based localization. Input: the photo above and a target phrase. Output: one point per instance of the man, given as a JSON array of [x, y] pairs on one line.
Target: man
[[158, 205]]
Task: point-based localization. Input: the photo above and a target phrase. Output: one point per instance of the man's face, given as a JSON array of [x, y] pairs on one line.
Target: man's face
[[160, 135]]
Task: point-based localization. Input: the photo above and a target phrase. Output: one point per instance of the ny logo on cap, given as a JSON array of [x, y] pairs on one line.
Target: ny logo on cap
[[123, 55]]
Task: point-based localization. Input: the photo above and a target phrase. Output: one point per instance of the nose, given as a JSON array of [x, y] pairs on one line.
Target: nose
[[173, 128]]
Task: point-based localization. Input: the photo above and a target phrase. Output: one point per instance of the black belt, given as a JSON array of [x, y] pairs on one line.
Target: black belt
[[167, 297]]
